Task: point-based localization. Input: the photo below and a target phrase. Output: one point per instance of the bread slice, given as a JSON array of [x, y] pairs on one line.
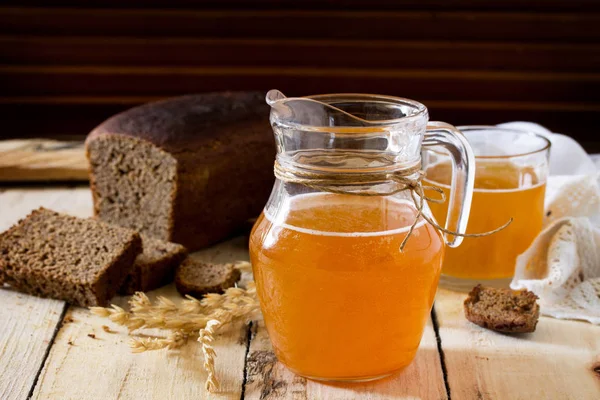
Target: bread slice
[[154, 267], [81, 261], [502, 310], [198, 278]]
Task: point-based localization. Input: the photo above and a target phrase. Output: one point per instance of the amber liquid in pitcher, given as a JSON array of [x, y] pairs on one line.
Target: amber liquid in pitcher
[[503, 190], [338, 297]]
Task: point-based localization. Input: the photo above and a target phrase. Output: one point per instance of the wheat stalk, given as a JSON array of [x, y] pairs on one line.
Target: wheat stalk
[[206, 338], [191, 317], [175, 340]]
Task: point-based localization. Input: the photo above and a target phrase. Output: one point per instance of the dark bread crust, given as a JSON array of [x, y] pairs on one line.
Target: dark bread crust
[[191, 123], [196, 278], [224, 149], [502, 310]]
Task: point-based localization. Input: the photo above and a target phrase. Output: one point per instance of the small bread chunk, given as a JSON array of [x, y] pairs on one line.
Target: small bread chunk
[[81, 261], [154, 267], [198, 278], [502, 310]]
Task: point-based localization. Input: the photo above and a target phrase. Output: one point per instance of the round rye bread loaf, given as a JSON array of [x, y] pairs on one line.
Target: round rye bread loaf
[[189, 170]]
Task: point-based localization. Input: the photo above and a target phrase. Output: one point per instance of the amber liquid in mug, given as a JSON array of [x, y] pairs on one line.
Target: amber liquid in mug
[[502, 190], [340, 301]]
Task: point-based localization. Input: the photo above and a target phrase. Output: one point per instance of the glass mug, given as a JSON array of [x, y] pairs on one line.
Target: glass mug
[[510, 182], [339, 299]]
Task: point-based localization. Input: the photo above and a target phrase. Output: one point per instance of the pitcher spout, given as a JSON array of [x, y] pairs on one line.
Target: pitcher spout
[[273, 96]]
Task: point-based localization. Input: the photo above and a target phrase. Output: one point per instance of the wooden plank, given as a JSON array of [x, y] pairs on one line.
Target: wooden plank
[[115, 104], [123, 51], [436, 5], [268, 378], [452, 85], [115, 372], [557, 361], [72, 120], [74, 117], [341, 24], [28, 326], [17, 203], [29, 323], [42, 160]]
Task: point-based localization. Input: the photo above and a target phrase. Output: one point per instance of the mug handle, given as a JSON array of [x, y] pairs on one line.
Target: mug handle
[[463, 176]]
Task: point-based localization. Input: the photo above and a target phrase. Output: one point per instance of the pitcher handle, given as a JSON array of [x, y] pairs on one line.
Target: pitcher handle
[[463, 176]]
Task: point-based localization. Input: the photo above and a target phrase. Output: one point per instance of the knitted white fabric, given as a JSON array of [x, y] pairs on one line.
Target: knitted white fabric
[[562, 265]]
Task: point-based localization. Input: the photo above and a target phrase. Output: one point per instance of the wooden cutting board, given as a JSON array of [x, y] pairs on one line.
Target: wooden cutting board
[[42, 160]]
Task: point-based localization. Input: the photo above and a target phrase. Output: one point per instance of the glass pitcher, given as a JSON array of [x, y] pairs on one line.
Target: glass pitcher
[[341, 300]]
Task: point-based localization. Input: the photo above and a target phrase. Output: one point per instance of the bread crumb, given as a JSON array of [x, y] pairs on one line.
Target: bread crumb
[[70, 343], [106, 329], [92, 335]]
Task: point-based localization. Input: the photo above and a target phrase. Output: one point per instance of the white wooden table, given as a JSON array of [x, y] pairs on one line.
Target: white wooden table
[[50, 350]]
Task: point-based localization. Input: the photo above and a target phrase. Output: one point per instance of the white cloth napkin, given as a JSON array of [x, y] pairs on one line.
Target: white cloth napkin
[[562, 265]]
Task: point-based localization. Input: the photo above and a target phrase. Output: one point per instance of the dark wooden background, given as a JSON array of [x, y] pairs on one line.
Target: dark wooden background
[[66, 67]]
